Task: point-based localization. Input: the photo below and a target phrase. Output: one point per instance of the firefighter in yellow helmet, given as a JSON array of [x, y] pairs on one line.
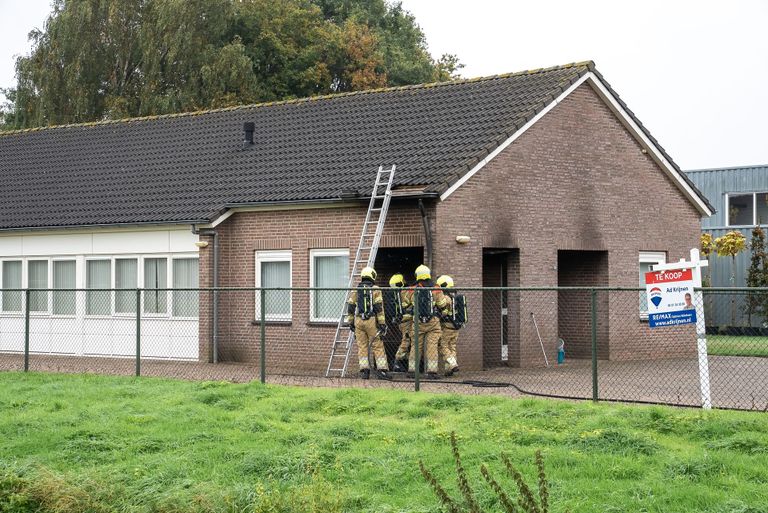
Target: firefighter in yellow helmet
[[403, 300], [430, 302], [449, 330], [365, 316]]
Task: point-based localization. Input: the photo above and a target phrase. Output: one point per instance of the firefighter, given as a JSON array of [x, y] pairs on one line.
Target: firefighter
[[365, 316], [430, 303], [404, 315], [449, 327]]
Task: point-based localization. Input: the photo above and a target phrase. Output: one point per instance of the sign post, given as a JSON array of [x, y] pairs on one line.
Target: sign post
[[673, 300]]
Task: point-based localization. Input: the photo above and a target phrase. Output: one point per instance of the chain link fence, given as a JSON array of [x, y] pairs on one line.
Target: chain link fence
[[567, 342]]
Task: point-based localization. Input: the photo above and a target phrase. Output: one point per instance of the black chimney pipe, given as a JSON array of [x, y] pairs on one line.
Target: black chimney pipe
[[248, 129]]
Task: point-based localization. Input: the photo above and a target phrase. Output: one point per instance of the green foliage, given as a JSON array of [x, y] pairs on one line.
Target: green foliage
[[707, 244], [757, 275], [72, 443], [730, 244], [110, 59]]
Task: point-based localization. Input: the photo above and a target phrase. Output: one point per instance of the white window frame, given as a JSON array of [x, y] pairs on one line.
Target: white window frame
[[81, 277], [320, 253], [113, 281], [53, 260], [11, 313], [754, 208], [649, 257], [172, 294], [168, 281], [272, 256], [111, 293], [25, 278]]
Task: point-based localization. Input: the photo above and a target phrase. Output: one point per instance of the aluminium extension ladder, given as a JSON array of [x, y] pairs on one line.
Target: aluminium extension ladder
[[365, 257]]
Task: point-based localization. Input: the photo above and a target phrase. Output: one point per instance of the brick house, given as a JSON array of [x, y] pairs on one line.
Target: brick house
[[552, 178]]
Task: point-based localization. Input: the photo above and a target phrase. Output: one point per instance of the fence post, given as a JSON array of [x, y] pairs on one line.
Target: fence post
[[26, 330], [263, 343], [594, 345], [138, 332], [415, 340]]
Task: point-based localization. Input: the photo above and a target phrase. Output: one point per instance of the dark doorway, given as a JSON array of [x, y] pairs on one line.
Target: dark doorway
[[501, 343], [574, 320], [390, 261]]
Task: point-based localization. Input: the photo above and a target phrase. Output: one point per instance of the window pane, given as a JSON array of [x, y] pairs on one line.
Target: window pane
[[278, 302], [740, 209], [186, 275], [98, 274], [64, 278], [37, 278], [761, 198], [126, 277], [12, 280], [330, 271], [155, 277], [644, 268]]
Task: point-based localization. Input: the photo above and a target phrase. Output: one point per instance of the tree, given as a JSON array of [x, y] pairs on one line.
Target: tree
[[730, 245], [757, 275], [109, 59]]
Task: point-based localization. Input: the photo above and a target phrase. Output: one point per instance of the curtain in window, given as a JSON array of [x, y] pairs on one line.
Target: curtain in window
[[278, 302], [11, 300], [155, 277], [330, 271], [126, 277], [186, 275], [98, 276], [37, 278], [64, 278]]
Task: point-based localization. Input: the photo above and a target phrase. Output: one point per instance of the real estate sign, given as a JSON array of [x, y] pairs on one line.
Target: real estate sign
[[670, 297]]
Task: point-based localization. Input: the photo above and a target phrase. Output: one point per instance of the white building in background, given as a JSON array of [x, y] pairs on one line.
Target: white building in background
[[101, 323]]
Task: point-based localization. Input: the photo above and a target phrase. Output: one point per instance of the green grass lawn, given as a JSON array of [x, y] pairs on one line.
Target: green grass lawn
[[725, 345], [99, 444]]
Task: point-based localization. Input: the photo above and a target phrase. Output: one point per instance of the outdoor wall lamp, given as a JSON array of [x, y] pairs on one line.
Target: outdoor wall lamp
[[463, 239], [201, 244]]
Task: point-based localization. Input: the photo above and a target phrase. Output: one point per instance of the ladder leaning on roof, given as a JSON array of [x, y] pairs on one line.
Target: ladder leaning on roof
[[364, 257]]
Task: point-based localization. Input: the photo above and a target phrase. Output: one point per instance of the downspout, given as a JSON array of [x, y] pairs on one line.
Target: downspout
[[427, 234], [215, 327]]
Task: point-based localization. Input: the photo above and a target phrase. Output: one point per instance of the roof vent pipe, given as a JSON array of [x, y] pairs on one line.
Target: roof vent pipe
[[248, 129]]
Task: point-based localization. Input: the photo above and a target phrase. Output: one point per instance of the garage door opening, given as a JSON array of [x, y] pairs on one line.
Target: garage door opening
[[574, 320]]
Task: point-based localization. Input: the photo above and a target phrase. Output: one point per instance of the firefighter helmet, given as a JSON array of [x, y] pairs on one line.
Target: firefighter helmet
[[368, 272], [445, 281], [397, 280], [423, 273]]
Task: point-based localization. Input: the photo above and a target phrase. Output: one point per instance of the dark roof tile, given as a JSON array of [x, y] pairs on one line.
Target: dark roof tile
[[190, 167]]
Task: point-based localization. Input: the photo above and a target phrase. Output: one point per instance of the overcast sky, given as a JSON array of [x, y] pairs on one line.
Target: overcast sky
[[694, 72]]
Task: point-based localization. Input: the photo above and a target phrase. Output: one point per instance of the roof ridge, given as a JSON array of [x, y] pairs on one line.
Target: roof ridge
[[589, 64]]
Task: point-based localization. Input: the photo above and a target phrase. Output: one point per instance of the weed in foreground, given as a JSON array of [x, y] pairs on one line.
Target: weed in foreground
[[526, 501]]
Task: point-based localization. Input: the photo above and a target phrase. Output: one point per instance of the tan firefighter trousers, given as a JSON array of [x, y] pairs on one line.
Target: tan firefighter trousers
[[367, 337], [429, 337]]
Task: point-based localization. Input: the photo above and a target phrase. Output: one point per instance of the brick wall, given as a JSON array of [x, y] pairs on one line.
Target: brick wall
[[576, 180], [299, 345]]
